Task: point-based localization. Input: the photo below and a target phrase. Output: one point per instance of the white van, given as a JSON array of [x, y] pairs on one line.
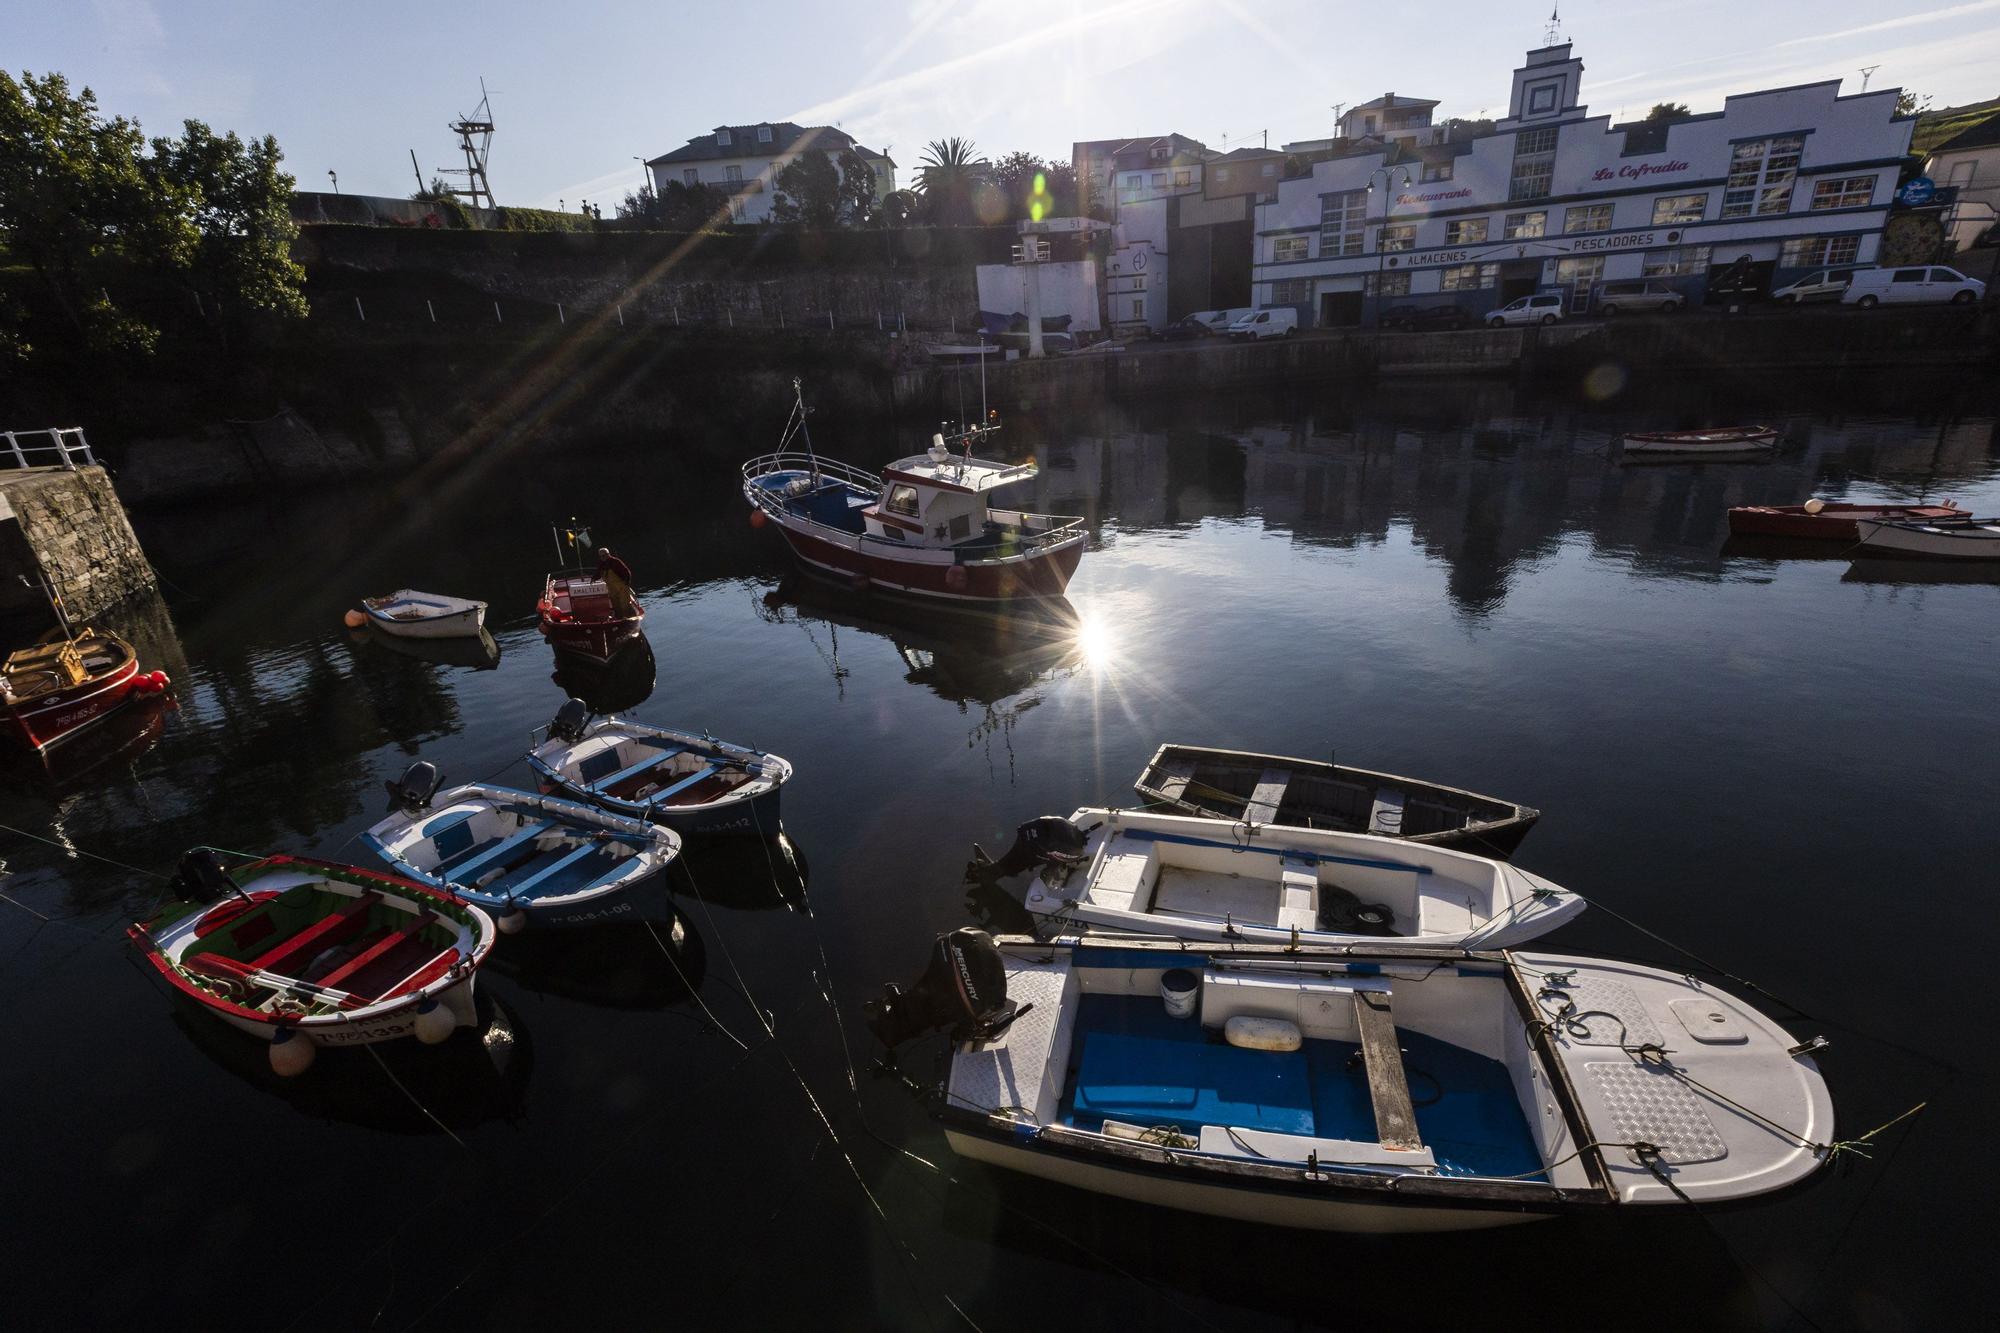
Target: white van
[[1544, 309], [1280, 322], [1917, 284]]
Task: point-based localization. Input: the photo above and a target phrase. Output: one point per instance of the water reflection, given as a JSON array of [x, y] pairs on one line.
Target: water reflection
[[744, 874], [618, 684], [626, 966], [1919, 573], [104, 752], [479, 653]]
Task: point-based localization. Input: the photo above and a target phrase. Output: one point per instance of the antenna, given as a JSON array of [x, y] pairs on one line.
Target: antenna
[[1867, 71], [475, 140]]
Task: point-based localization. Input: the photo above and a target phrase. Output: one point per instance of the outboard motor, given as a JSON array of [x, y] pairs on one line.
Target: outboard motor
[[1050, 840], [412, 792], [964, 990], [569, 721], [200, 878]]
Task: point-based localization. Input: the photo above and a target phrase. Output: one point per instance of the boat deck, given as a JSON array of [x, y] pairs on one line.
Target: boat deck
[[1131, 1063]]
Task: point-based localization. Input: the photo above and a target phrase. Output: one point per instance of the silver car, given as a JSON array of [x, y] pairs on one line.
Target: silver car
[[1625, 298], [1827, 284]]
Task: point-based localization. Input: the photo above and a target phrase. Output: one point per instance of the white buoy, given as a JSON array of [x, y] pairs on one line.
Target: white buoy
[[513, 922], [435, 1023], [1814, 505], [291, 1053]]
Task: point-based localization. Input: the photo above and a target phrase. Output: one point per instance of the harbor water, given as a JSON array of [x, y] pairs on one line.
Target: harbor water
[[1771, 755]]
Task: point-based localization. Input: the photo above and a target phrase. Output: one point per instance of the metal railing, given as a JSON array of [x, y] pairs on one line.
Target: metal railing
[[66, 448], [766, 464]]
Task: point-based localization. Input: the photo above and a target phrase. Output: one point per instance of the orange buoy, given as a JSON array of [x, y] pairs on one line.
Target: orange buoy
[[955, 577], [757, 518], [355, 619]]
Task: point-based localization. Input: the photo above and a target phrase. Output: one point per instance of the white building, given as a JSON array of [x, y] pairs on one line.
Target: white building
[[744, 162], [1775, 183], [1969, 162]]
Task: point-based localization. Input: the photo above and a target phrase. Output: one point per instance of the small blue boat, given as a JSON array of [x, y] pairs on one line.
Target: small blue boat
[[524, 857], [691, 784]]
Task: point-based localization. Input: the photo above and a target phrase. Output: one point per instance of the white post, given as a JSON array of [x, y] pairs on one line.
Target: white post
[[901, 326], [432, 309], [878, 321], [559, 314], [20, 459], [731, 313], [496, 314], [677, 313], [62, 450], [829, 321], [621, 316], [359, 311], [197, 306], [1034, 285]]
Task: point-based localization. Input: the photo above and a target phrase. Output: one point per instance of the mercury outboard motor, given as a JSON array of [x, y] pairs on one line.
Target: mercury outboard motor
[[964, 990], [412, 792], [569, 721], [200, 878], [1050, 840]]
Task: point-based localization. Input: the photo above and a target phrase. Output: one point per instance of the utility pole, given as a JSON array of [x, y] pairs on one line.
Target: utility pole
[[335, 178], [416, 171], [1867, 72]]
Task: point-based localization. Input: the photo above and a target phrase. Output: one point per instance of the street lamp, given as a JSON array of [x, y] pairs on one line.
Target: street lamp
[[1386, 173], [335, 178], [645, 177]]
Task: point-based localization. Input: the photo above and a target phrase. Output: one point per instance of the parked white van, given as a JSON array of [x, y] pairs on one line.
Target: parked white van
[[1281, 322], [1918, 284]]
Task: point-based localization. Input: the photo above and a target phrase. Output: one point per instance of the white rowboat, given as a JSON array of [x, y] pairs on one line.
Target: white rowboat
[[425, 615], [1978, 540]]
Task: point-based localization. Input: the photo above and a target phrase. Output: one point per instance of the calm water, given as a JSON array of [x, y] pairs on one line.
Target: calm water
[[1783, 765]]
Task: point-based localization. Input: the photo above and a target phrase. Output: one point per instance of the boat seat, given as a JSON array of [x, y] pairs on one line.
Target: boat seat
[[379, 949], [1385, 816], [705, 771], [1237, 1141], [466, 871], [1444, 907], [1124, 878], [320, 933], [1298, 896], [1388, 1085], [1267, 796], [1175, 775], [540, 873], [653, 761]]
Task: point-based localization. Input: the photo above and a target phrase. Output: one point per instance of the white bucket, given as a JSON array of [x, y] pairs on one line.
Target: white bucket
[[1179, 987]]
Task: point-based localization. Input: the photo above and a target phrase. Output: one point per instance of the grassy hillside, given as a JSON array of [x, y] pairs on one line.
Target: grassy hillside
[[1934, 127]]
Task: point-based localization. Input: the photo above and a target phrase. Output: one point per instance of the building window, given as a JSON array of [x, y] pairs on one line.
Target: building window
[[763, 134], [1761, 172], [722, 138], [1222, 175], [1342, 223], [1183, 177], [1159, 154], [1534, 164], [1468, 277], [1159, 180], [1436, 171], [1677, 210], [691, 176], [1681, 263], [1525, 226], [1579, 273], [1853, 192], [1389, 284], [1139, 308], [1288, 248], [1271, 169], [1543, 98], [1820, 251], [736, 213], [1134, 181], [1588, 217], [732, 172], [1292, 291], [1465, 231], [1402, 236]]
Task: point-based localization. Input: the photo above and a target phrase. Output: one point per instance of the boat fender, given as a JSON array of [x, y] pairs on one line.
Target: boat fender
[[513, 922], [292, 1052], [1261, 1034], [757, 518], [434, 1022], [1814, 505], [955, 578], [354, 619]]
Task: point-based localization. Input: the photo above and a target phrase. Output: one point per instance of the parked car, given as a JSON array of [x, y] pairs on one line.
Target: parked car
[[1625, 298], [1825, 285], [1916, 284], [1417, 318], [1546, 309], [1281, 322]]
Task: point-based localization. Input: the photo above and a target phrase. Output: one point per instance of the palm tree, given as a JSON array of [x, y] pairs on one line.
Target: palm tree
[[947, 176]]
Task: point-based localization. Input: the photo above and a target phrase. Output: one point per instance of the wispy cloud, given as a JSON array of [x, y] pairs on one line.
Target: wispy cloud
[[1900, 21]]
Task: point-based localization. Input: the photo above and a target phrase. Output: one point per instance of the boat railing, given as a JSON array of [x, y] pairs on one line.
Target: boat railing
[[1038, 530], [63, 447], [811, 464]]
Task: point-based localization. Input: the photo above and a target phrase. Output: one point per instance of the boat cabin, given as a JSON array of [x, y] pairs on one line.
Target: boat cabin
[[938, 498]]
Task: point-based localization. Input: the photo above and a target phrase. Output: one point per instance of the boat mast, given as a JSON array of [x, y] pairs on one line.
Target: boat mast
[[799, 395]]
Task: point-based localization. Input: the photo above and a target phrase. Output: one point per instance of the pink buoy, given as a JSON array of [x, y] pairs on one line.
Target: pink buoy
[[955, 578], [757, 518], [355, 619]]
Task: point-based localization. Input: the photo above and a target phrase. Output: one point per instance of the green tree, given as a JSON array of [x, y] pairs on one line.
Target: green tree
[[239, 203], [816, 192], [1908, 103], [1669, 111], [948, 178], [1034, 189], [681, 207], [72, 195]]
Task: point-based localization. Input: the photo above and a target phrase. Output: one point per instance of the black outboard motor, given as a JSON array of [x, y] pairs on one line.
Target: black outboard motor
[[964, 989], [569, 721], [1050, 840], [200, 878], [412, 792]]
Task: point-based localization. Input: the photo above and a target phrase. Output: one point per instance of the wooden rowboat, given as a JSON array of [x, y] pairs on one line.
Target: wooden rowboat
[[1831, 520], [1724, 441], [51, 690], [1978, 540], [410, 614], [1311, 793]]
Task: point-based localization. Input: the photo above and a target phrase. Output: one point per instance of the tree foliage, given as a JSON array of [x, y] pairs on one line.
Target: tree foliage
[[1033, 189], [680, 207], [1669, 111], [1910, 103], [948, 178], [818, 191], [82, 201]]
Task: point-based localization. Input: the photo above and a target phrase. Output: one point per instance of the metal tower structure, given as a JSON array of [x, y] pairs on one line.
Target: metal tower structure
[[475, 140]]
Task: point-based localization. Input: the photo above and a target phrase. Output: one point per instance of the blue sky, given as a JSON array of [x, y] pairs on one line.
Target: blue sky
[[582, 88]]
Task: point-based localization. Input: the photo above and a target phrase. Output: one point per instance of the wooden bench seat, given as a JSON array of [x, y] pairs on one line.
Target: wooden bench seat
[[701, 774], [329, 929], [378, 949], [650, 762], [1388, 1086], [1267, 796], [466, 871]]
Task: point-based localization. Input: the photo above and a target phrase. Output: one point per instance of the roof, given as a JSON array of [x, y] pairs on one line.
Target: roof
[[1247, 154], [785, 137], [1983, 135], [954, 473], [1387, 100]]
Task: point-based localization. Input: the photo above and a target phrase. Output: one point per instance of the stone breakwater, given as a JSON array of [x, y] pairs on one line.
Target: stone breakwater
[[70, 529]]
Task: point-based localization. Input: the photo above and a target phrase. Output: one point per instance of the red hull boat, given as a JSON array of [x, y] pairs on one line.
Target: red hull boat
[[576, 615], [1825, 520], [54, 689]]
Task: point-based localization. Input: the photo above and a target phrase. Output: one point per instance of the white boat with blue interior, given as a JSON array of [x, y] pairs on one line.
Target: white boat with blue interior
[[1433, 1090], [525, 857]]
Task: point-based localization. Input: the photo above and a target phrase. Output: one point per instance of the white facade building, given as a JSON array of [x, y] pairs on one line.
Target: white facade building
[[743, 161], [1775, 183], [1969, 163]]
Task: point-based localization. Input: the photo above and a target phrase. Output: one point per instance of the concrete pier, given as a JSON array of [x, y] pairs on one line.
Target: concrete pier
[[67, 526]]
